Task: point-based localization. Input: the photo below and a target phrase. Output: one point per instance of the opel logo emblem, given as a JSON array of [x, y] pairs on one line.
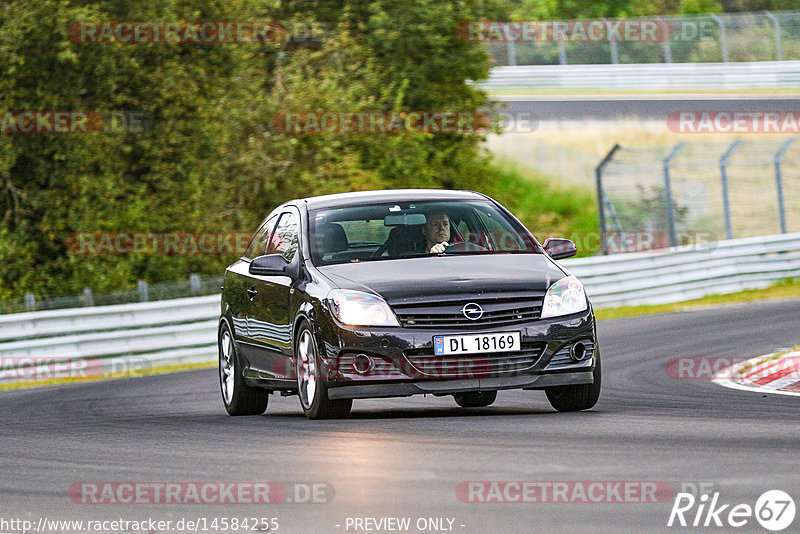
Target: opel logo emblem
[[472, 311]]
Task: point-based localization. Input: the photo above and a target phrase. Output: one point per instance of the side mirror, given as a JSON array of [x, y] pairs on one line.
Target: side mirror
[[558, 248], [269, 265]]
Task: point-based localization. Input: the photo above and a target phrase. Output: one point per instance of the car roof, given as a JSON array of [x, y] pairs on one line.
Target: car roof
[[387, 195]]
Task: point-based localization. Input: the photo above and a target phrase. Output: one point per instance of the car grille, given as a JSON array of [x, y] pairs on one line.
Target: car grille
[[562, 357], [428, 365], [497, 311]]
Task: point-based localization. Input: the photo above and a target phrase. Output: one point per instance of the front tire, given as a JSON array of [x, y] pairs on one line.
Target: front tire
[[578, 397], [238, 397], [475, 399], [311, 387]]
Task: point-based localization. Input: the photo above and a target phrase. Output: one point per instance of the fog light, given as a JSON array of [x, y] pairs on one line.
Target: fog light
[[363, 364], [578, 352]]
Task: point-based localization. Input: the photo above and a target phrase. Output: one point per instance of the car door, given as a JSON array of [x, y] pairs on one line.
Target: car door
[[237, 280], [269, 322]]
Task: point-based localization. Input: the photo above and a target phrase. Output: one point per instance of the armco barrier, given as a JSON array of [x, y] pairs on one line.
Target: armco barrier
[[181, 331], [690, 272], [102, 318], [125, 336], [647, 76]]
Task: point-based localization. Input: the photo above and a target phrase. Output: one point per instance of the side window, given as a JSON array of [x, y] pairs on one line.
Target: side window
[[258, 243], [285, 239], [504, 238]]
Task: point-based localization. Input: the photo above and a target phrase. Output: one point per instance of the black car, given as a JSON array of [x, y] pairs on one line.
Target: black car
[[400, 292]]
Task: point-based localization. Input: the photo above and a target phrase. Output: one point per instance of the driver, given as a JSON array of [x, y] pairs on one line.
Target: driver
[[436, 232]]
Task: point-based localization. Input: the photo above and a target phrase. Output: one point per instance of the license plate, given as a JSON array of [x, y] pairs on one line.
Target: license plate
[[476, 343]]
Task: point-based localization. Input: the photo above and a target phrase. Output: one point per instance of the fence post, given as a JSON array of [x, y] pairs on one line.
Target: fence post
[[88, 297], [612, 42], [194, 282], [512, 52], [723, 39], [666, 30], [598, 174], [144, 295], [30, 302], [562, 53], [673, 239], [779, 180], [776, 28], [723, 162]]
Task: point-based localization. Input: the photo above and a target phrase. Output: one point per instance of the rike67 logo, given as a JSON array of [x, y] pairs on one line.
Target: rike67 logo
[[774, 510]]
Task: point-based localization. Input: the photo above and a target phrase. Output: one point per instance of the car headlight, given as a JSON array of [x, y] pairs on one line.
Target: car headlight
[[564, 297], [357, 308]]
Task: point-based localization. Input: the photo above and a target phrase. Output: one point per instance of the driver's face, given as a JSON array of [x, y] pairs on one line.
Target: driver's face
[[437, 228]]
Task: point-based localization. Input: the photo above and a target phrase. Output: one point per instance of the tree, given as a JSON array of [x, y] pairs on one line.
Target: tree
[[209, 159]]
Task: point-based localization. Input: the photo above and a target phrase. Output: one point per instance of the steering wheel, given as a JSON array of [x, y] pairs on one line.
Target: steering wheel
[[464, 246]]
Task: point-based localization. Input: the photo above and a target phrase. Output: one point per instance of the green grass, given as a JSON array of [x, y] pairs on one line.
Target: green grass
[[546, 207], [783, 289]]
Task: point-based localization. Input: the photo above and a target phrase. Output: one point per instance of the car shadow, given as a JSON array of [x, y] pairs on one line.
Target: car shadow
[[424, 413]]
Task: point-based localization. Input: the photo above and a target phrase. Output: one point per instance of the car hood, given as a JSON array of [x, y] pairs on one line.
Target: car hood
[[450, 276]]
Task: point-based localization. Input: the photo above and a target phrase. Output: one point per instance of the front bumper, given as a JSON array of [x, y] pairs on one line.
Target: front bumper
[[448, 387], [405, 364]]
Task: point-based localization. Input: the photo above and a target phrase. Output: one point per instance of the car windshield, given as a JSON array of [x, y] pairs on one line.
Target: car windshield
[[414, 229]]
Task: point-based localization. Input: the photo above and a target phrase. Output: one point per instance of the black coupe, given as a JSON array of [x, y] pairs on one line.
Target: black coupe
[[401, 292]]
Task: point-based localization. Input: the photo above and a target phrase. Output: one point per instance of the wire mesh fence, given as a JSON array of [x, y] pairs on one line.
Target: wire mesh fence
[[705, 191], [757, 36], [195, 286]]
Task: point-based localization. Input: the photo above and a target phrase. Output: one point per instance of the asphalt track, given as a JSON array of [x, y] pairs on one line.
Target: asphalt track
[[406, 457], [645, 107]]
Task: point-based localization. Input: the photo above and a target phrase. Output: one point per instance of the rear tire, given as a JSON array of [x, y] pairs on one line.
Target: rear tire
[[238, 397], [578, 397], [475, 399], [311, 387]]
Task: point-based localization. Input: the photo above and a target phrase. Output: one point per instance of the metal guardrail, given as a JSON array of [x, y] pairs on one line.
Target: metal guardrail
[[684, 273], [184, 330], [96, 319], [702, 38], [648, 76], [106, 340]]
